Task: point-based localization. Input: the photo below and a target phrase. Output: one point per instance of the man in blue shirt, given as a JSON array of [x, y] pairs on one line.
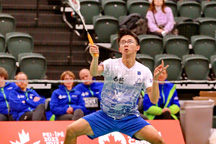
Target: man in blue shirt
[[25, 103], [91, 91]]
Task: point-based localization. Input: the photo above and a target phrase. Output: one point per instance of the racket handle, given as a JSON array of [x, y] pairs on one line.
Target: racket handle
[[91, 42]]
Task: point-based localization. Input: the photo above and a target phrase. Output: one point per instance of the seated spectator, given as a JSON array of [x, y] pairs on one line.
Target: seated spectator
[[26, 104], [168, 103], [160, 18], [67, 103], [6, 88], [89, 89]]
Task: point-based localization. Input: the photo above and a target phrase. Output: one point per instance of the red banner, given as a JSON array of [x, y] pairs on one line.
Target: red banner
[[53, 132]]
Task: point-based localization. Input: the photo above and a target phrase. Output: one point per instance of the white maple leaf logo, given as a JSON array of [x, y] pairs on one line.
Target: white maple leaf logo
[[24, 138]]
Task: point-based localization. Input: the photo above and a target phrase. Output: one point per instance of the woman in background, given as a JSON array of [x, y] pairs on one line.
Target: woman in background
[[160, 18], [67, 103]]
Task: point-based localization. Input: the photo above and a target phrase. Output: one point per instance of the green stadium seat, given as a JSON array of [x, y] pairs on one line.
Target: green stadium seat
[[151, 45], [115, 8], [209, 8], [88, 9], [2, 43], [138, 6], [213, 64], [33, 65], [18, 42], [182, 19], [175, 67], [173, 6], [188, 29], [114, 44], [203, 45], [196, 67], [8, 62], [104, 27], [146, 60], [7, 23], [190, 9], [176, 44], [207, 26]]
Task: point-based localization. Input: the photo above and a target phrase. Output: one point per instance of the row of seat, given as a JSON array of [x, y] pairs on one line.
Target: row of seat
[[20, 47], [16, 43], [32, 64], [171, 44], [196, 67], [105, 26], [117, 8]]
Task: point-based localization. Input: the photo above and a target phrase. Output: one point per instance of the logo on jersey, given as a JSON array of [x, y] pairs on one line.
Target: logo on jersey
[[120, 80], [138, 82], [85, 94], [138, 72], [62, 96], [20, 96]]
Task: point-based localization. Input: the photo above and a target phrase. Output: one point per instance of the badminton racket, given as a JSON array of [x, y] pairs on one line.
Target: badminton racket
[[75, 5]]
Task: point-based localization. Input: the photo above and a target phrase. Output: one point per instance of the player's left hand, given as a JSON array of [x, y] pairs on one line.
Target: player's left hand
[[159, 69]]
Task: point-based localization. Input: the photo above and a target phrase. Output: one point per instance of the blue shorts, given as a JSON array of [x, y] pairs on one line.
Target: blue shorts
[[102, 124]]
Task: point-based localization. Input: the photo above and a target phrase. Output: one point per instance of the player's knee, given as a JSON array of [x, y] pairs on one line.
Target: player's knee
[[71, 131]]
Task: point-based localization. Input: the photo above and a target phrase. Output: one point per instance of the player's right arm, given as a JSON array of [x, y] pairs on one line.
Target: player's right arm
[[95, 69]]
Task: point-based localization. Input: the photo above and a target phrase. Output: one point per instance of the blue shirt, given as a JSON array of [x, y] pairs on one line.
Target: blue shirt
[[23, 101], [4, 97], [62, 99], [92, 90]]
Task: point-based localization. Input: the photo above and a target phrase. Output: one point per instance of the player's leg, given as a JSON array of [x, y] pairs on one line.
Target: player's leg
[[150, 134], [77, 128]]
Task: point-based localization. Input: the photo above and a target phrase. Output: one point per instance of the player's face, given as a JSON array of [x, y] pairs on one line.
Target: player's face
[[128, 45], [22, 83], [69, 82], [86, 76]]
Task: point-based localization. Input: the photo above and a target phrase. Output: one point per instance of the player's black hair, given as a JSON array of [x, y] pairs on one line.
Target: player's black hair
[[124, 32]]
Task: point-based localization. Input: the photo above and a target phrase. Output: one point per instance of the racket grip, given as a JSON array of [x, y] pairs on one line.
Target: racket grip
[[91, 42]]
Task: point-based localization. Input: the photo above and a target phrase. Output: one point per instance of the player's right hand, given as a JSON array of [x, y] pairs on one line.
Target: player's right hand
[[93, 50]]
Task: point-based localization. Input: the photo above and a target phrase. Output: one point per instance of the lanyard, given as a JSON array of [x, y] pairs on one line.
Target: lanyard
[[92, 93], [69, 98], [163, 94], [26, 94], [2, 90]]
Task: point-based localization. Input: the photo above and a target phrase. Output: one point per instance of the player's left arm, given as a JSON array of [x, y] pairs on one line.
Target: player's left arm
[[153, 91]]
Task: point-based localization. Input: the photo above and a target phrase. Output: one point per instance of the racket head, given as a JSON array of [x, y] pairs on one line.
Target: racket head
[[75, 4]]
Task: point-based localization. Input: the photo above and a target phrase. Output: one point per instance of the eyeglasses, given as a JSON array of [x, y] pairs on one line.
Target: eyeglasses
[[123, 42]]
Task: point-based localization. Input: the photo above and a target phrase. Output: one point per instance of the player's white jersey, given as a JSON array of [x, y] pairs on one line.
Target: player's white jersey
[[122, 87]]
